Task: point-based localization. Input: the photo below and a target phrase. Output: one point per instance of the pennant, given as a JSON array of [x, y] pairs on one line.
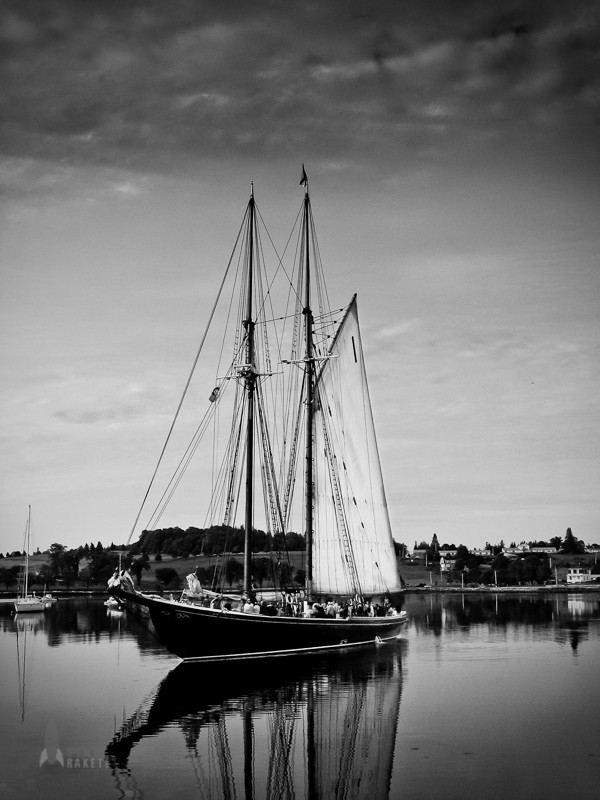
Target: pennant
[[303, 179]]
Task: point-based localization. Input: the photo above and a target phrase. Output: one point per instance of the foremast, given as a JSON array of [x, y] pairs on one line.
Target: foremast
[[309, 370]]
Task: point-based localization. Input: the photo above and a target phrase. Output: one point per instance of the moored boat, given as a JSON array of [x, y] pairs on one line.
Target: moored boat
[[352, 585], [27, 603]]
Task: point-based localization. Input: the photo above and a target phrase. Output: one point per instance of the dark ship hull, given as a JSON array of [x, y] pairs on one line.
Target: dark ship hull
[[195, 632]]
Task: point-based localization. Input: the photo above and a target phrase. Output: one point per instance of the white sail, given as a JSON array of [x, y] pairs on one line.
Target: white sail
[[353, 549]]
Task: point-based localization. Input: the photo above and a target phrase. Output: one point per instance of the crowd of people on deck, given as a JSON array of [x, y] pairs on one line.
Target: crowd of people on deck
[[291, 605], [294, 606]]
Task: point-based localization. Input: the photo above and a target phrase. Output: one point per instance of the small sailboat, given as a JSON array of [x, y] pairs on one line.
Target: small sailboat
[[25, 602], [312, 399], [49, 598]]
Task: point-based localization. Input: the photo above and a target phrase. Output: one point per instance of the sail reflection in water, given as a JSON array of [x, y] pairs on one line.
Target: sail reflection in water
[[303, 728]]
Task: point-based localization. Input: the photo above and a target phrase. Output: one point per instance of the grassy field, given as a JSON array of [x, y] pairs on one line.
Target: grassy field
[[35, 562], [183, 566], [413, 573]]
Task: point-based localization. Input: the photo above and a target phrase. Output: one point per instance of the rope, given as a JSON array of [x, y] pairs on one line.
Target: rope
[[187, 385]]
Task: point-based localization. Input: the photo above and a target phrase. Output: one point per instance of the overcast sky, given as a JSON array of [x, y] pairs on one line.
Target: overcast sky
[[453, 156]]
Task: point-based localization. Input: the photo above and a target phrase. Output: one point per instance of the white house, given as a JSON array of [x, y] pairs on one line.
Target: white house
[[447, 564], [579, 574], [521, 548]]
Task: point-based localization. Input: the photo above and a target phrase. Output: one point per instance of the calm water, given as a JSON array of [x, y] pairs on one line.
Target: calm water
[[494, 696]]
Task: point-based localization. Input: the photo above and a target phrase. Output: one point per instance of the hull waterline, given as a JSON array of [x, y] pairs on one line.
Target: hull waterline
[[198, 633]]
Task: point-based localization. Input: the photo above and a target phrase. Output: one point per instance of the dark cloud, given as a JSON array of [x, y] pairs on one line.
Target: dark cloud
[[143, 84]]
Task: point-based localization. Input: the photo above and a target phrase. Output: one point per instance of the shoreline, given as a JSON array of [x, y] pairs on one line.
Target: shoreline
[[5, 597], [554, 589]]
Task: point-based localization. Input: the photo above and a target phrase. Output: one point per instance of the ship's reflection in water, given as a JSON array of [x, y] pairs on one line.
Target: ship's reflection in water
[[277, 728]]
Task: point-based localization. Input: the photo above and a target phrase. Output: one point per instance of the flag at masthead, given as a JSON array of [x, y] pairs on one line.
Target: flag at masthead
[[303, 179]]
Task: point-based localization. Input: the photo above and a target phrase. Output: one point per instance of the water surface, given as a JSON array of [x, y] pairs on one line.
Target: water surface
[[483, 695]]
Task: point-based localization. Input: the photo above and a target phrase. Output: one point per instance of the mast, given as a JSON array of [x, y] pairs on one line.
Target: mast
[[310, 385], [27, 551], [250, 382]]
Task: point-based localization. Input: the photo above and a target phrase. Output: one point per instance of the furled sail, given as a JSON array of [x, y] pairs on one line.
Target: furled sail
[[353, 550]]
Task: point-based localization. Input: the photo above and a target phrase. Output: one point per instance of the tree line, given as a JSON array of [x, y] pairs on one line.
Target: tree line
[[497, 568], [212, 541], [568, 545], [92, 564]]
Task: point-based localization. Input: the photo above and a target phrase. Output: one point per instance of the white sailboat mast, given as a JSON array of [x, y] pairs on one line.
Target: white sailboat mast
[[27, 551]]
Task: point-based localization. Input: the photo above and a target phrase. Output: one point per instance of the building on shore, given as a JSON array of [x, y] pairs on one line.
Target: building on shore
[[579, 575]]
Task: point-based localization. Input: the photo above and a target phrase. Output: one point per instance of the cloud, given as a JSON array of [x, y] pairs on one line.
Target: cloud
[[128, 188], [482, 352], [150, 85], [390, 332]]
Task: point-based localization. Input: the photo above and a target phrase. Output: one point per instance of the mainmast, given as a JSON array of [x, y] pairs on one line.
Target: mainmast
[[250, 384], [310, 386]]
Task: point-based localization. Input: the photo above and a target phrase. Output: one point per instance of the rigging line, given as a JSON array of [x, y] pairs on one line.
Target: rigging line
[[272, 500], [321, 286], [219, 466], [189, 380], [181, 467], [274, 319], [293, 457], [214, 470], [330, 313], [221, 471], [265, 298], [229, 315], [280, 258], [233, 472], [340, 505]]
